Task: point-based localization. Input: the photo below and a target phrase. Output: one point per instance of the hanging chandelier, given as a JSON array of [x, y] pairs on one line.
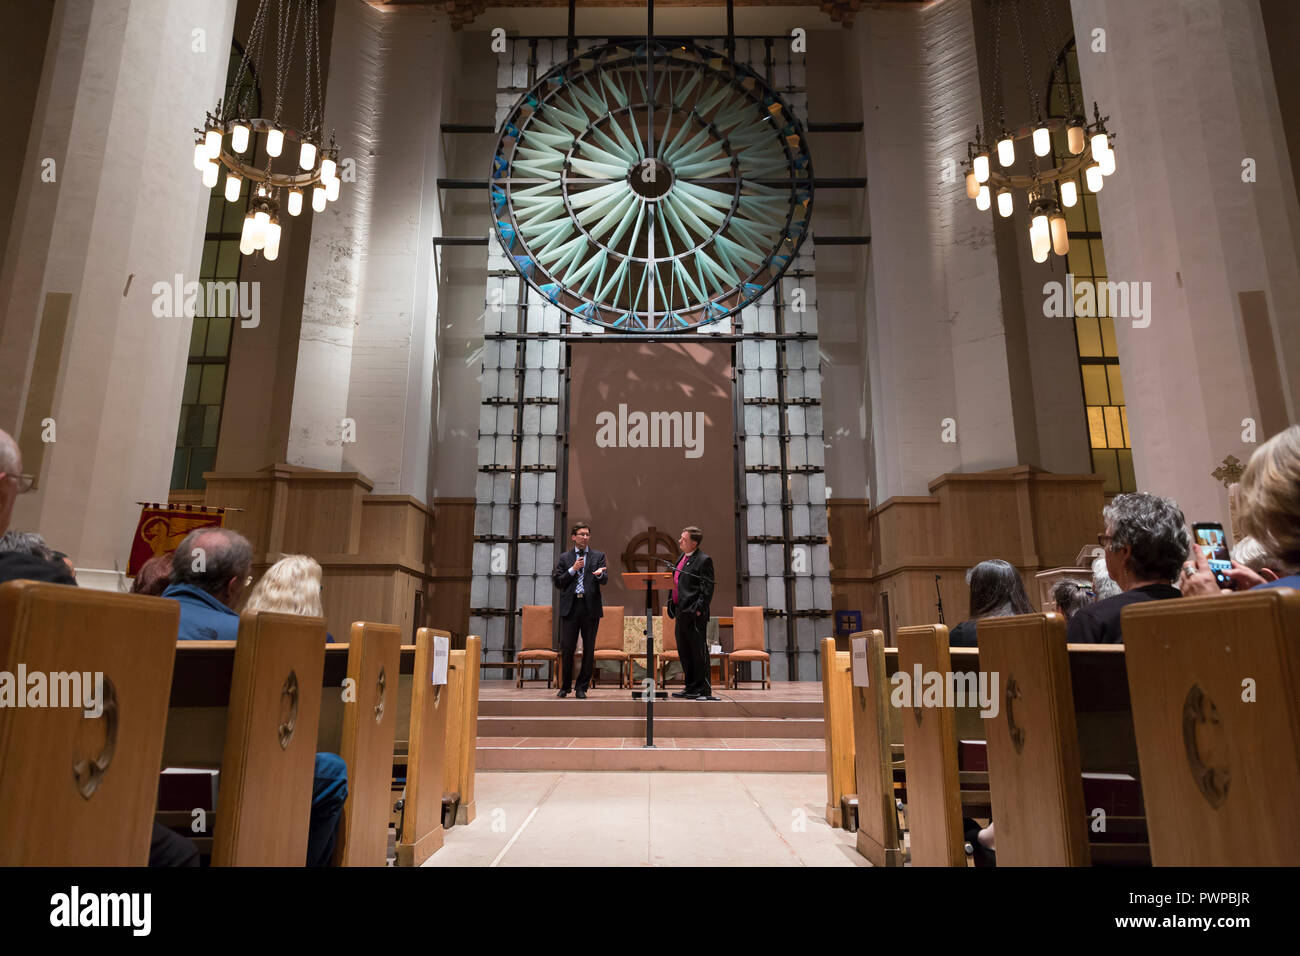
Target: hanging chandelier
[[229, 137], [1051, 188]]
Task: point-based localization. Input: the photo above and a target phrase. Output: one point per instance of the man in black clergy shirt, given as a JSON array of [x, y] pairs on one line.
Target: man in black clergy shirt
[[579, 574], [689, 605]]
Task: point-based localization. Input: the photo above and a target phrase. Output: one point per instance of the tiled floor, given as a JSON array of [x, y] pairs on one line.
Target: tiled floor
[[648, 819]]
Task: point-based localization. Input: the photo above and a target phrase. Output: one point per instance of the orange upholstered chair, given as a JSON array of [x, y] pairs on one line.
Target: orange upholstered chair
[[537, 643], [747, 644], [669, 647], [609, 646]]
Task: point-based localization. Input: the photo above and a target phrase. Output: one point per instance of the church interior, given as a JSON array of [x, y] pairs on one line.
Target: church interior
[[819, 364]]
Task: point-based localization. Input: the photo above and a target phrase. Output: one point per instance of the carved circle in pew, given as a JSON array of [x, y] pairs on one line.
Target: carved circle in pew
[[89, 774], [288, 709], [1199, 711], [380, 686], [1015, 730]]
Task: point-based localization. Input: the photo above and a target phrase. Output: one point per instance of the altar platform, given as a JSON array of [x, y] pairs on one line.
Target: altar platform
[[775, 730]]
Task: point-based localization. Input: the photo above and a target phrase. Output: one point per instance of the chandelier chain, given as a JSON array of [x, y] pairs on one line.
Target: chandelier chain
[[236, 105], [312, 66], [1053, 45], [999, 112], [1024, 56]]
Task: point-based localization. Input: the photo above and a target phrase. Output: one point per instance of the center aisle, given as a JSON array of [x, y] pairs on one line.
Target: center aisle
[[648, 819]]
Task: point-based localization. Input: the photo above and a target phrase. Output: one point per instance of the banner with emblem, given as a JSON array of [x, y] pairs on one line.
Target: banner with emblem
[[164, 526]]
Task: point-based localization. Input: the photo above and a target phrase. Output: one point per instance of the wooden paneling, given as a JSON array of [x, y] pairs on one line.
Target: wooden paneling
[[446, 602], [381, 555], [1033, 519]]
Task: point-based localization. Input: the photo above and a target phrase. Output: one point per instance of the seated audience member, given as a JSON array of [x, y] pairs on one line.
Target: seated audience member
[[996, 590], [208, 598], [1249, 553], [1102, 584], [17, 561], [290, 586], [1071, 597], [1269, 509], [60, 556], [210, 570], [1146, 543], [154, 576]]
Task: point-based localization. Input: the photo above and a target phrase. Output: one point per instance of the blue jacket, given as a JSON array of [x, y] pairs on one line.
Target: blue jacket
[[203, 617]]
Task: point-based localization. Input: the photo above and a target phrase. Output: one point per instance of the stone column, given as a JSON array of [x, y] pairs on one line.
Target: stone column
[[936, 348], [123, 83], [1191, 95], [368, 341]]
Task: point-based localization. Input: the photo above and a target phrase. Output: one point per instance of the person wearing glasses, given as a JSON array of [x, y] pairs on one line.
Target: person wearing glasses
[[22, 563], [1145, 546]]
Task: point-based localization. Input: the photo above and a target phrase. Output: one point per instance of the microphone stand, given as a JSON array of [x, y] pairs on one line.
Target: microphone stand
[[939, 603]]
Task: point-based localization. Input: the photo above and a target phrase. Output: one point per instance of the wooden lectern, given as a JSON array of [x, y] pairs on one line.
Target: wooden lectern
[[651, 581]]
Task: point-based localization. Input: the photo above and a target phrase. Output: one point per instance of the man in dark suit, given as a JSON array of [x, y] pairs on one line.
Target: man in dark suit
[[689, 605], [579, 574]]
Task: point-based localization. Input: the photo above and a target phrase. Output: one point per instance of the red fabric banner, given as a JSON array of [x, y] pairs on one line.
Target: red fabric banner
[[163, 527]]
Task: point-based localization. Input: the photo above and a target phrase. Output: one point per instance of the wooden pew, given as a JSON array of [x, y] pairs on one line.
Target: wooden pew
[[202, 689], [100, 813], [930, 745], [462, 727], [1215, 683], [1107, 748], [872, 757], [838, 724], [268, 761], [369, 733], [1033, 744], [251, 708], [420, 834]]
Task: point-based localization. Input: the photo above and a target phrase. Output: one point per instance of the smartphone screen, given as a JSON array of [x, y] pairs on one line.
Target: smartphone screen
[[1214, 544]]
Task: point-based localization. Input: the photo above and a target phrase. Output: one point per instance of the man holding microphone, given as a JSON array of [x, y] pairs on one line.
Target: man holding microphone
[[579, 574]]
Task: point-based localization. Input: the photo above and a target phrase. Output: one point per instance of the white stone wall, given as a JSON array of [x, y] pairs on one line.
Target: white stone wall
[[368, 340], [123, 84], [936, 345], [1191, 94]]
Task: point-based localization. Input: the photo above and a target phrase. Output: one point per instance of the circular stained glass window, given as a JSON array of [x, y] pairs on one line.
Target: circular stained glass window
[[651, 213]]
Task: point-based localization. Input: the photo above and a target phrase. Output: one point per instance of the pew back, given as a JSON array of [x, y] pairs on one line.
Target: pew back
[[462, 726], [930, 753], [1035, 778], [100, 814], [369, 732], [838, 722], [422, 834], [1215, 685], [873, 759], [270, 741]]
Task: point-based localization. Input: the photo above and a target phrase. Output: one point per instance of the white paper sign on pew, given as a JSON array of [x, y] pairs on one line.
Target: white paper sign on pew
[[860, 678], [441, 654]]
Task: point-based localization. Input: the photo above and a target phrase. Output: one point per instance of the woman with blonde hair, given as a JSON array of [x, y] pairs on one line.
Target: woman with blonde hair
[[1270, 513], [290, 586]]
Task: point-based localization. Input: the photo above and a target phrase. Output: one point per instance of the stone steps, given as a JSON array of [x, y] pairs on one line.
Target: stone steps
[[732, 754]]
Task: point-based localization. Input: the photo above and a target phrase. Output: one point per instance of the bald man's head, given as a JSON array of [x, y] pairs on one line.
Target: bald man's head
[[11, 466], [215, 560]]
